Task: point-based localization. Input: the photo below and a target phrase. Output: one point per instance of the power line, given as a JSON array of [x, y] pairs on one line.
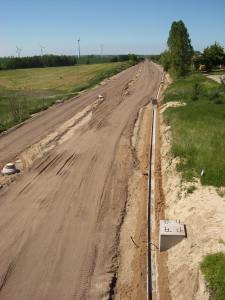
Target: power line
[[42, 49], [18, 51], [101, 49]]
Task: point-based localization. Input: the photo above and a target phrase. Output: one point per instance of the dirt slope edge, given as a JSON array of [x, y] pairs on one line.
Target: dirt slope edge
[[203, 213]]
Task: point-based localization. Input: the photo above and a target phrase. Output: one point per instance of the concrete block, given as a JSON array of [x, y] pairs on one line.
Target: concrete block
[[171, 232]]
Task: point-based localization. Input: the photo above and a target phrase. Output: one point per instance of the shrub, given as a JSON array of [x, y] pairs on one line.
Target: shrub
[[214, 95], [16, 109], [219, 101], [196, 91]]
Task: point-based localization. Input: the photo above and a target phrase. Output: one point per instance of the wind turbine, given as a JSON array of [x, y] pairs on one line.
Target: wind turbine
[[78, 41], [18, 51]]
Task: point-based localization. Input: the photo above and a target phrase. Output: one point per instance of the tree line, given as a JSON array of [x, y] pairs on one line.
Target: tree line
[[7, 63], [212, 57], [180, 57]]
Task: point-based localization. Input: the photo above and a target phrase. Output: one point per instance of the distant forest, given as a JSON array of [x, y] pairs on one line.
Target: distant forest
[[9, 63], [153, 57]]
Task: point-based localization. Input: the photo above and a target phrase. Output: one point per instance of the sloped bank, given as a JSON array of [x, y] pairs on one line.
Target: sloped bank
[[201, 208]]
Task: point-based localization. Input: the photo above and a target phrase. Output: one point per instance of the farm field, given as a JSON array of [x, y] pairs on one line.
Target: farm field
[[27, 91]]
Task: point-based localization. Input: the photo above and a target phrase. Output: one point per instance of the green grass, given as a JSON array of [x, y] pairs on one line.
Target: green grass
[[36, 89], [213, 269], [198, 129]]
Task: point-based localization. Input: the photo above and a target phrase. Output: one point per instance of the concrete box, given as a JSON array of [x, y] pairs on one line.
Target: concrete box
[[171, 232]]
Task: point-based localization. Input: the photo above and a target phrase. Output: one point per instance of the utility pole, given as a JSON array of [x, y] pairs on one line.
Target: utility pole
[[101, 49], [42, 50]]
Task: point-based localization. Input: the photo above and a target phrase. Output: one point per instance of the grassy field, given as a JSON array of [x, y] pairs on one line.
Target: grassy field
[[198, 129], [213, 266], [26, 91]]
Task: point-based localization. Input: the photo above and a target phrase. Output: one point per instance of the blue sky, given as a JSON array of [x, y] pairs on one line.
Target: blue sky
[[121, 25]]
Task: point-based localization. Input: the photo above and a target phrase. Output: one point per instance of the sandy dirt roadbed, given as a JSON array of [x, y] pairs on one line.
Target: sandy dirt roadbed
[[132, 272], [60, 219]]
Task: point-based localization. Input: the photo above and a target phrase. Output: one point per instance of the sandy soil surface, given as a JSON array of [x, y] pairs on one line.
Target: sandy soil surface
[[132, 273], [33, 130], [61, 217], [161, 276], [215, 77], [203, 213]]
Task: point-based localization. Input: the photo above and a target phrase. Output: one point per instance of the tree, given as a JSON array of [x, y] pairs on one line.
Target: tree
[[196, 91], [213, 56], [133, 57], [165, 60], [197, 60], [180, 49]]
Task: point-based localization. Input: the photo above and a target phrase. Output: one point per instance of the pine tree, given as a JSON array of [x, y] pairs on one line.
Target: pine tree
[[180, 49]]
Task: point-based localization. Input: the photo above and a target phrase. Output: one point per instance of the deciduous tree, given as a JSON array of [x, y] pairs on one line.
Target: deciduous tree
[[180, 49], [213, 56]]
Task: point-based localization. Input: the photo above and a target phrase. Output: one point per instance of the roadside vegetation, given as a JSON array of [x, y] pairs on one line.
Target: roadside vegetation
[[212, 267], [180, 58], [212, 57], [24, 92], [198, 128]]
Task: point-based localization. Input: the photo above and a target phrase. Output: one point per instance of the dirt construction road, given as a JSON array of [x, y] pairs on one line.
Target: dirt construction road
[[60, 219]]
